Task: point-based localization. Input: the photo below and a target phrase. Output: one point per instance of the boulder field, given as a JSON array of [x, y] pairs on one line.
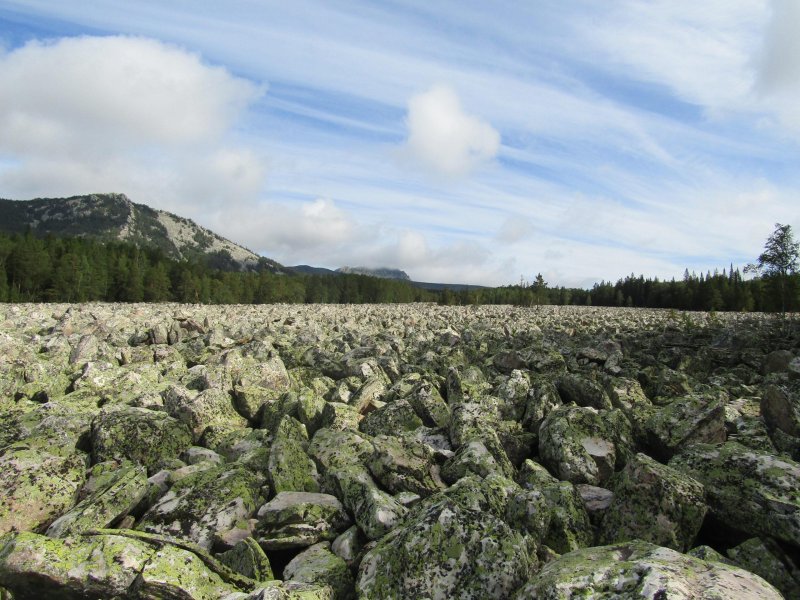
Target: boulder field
[[327, 452]]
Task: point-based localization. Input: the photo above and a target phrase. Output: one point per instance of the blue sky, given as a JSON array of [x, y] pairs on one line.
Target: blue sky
[[467, 141]]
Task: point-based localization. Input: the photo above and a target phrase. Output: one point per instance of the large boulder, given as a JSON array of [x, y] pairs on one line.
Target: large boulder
[[36, 486], [299, 519], [642, 570], [583, 445], [119, 494], [569, 526], [199, 411], [205, 503], [654, 503], [449, 547], [290, 468], [690, 419], [111, 565], [402, 464], [318, 565], [147, 437], [748, 490]]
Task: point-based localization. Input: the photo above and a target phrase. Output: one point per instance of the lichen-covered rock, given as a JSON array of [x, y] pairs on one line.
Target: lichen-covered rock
[[333, 449], [780, 410], [654, 503], [471, 458], [211, 407], [318, 565], [36, 486], [146, 437], [290, 468], [642, 570], [391, 419], [582, 391], [107, 504], [768, 560], [205, 503], [692, 419], [375, 512], [110, 565], [569, 527], [298, 519], [584, 445], [543, 397], [336, 415], [348, 545], [596, 500], [746, 489], [627, 395], [429, 405], [445, 549], [401, 464], [248, 559]]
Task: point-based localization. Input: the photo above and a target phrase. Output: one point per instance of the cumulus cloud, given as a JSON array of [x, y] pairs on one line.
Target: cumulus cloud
[[124, 114], [443, 138], [292, 233]]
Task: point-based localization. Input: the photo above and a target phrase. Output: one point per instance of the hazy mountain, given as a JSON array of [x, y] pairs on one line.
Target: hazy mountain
[[114, 217], [382, 272]]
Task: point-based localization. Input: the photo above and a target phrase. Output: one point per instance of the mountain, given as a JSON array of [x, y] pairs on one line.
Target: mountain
[[382, 272], [113, 217]]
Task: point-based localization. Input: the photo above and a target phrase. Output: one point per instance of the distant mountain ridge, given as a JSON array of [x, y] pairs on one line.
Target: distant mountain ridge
[[382, 272], [113, 217]]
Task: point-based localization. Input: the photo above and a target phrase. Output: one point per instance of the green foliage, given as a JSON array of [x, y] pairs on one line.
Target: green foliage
[[779, 264], [80, 270]]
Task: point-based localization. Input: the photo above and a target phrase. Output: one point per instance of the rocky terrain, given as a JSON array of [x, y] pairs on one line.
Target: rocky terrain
[[112, 217], [397, 451]]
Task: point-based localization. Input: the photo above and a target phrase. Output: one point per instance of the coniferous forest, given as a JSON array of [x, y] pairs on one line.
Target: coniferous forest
[[58, 269]]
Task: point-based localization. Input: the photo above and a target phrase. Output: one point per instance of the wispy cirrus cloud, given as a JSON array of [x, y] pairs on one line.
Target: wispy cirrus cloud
[[583, 140]]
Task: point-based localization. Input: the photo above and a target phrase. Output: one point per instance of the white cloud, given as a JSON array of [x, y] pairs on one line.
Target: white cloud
[[445, 139], [290, 233], [514, 229], [123, 114], [778, 83]]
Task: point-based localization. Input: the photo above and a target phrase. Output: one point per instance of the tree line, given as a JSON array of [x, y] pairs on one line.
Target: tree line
[[64, 269], [59, 269]]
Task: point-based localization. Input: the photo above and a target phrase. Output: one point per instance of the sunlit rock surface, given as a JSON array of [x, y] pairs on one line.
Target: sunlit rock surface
[[397, 451]]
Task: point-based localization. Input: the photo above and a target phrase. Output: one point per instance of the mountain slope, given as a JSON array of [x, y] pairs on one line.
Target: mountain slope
[[114, 217]]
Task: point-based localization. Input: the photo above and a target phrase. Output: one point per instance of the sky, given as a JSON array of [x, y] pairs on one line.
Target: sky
[[461, 141]]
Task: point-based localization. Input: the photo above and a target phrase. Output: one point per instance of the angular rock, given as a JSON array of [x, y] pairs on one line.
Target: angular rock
[[696, 418], [446, 550], [318, 565], [768, 560], [404, 465], [375, 512], [471, 458], [37, 487], [582, 391], [392, 419], [429, 405], [642, 570], [105, 505], [583, 445], [299, 519], [105, 566], [146, 437], [290, 468], [201, 505], [746, 489], [211, 407], [654, 503], [248, 559]]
